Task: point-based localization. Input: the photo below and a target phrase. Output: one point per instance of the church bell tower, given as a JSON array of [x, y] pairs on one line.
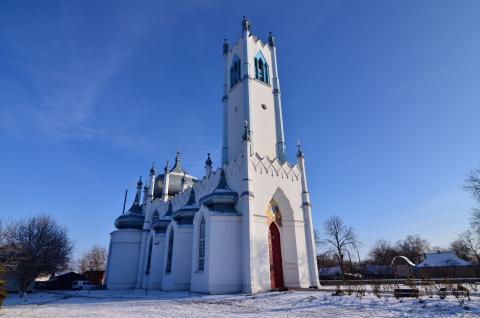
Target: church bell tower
[[252, 97]]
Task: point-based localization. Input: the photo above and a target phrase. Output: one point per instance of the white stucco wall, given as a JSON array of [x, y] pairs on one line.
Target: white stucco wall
[[179, 278], [199, 280], [154, 280], [225, 254], [222, 272], [123, 259]]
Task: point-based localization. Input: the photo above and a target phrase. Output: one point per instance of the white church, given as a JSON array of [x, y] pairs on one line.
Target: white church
[[245, 226]]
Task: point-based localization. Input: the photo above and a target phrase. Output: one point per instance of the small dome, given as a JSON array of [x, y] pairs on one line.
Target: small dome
[[185, 214], [133, 219], [222, 196], [175, 180], [174, 184], [130, 221]]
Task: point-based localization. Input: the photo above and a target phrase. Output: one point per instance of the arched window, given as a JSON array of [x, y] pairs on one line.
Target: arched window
[[261, 68], [201, 245], [149, 257], [168, 268], [235, 73], [274, 213]]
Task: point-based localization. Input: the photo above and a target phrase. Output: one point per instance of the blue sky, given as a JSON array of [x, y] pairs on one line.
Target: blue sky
[[385, 96]]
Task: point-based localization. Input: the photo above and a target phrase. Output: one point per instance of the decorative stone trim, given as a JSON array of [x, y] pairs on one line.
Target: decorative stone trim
[[275, 168]]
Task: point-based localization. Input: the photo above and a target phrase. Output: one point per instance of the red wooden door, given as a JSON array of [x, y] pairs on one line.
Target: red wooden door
[[275, 251]]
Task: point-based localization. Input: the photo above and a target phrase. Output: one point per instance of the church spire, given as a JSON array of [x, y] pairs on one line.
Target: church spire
[[139, 183], [166, 168], [208, 165], [145, 193], [177, 167], [299, 151], [271, 39], [225, 47], [139, 191], [152, 181], [245, 24]]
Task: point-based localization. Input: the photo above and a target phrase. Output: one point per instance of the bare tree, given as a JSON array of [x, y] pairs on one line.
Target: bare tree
[[472, 184], [340, 239], [467, 246], [382, 252], [33, 247], [326, 259], [316, 236], [413, 247], [3, 292], [93, 260]]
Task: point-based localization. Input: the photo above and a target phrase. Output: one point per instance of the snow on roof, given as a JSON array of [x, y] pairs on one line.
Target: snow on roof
[[42, 278], [440, 259]]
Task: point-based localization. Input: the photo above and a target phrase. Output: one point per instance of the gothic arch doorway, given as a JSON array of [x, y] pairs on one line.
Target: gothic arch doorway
[[275, 253]]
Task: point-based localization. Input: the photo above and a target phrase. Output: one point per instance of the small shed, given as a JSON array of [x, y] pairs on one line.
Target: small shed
[[95, 277]]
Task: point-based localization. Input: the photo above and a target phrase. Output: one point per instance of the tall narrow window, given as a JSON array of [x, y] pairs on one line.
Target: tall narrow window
[[261, 68], [149, 257], [201, 245], [168, 268], [235, 73]]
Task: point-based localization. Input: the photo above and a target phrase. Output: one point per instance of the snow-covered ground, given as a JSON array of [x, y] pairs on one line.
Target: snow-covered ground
[[134, 303]]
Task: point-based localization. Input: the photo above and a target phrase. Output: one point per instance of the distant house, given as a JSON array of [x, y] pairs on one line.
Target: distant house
[[65, 281], [444, 264], [442, 259], [59, 282]]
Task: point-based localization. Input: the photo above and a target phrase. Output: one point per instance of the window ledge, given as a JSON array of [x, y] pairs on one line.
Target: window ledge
[[235, 85], [262, 82]]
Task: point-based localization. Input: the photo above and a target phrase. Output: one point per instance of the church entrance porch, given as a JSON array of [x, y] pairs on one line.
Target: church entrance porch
[[275, 253]]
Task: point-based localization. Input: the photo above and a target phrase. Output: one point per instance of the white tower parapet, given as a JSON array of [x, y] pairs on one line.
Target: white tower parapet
[[277, 101], [307, 213], [225, 105]]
